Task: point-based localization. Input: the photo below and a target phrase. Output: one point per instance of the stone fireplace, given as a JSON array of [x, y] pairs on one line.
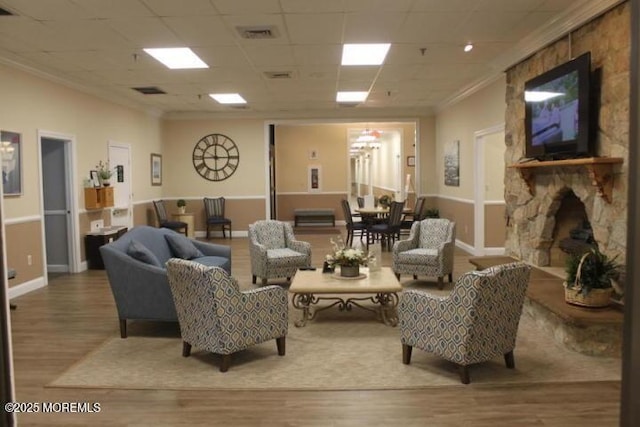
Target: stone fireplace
[[537, 208]]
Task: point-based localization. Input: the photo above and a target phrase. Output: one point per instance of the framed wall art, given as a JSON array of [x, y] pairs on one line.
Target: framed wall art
[[315, 176], [411, 161], [452, 163], [156, 169], [11, 153]]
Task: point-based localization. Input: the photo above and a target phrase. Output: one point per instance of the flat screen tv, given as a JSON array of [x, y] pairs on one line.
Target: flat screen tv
[[557, 111]]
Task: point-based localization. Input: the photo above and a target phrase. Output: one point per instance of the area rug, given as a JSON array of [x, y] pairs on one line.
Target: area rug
[[336, 351]]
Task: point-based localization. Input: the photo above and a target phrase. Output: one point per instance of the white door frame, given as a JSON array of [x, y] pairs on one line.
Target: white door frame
[[479, 190], [72, 186]]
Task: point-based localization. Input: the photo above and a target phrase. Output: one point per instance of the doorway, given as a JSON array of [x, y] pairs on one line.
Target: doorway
[[59, 203], [489, 190]]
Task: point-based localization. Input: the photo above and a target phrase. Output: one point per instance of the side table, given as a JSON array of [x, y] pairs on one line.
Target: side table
[[93, 241], [187, 218]]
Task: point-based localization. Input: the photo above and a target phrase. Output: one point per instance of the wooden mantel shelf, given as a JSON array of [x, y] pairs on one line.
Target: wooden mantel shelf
[[600, 171]]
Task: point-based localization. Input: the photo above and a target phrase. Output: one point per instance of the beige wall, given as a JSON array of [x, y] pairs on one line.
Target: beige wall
[[23, 240], [33, 104], [427, 161], [484, 109], [180, 178]]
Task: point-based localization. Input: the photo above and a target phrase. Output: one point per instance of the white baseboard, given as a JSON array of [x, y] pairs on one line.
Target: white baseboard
[[26, 287], [84, 266], [465, 247]]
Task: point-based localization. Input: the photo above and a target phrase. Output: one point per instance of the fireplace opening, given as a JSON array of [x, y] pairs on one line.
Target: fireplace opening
[[572, 233]]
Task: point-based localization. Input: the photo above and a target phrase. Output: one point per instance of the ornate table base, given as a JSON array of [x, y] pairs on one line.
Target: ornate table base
[[385, 309]]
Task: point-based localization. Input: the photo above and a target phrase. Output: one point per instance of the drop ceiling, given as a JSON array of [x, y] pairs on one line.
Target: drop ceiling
[[96, 46]]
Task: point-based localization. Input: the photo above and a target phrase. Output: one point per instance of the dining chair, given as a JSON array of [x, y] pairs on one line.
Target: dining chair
[[165, 222], [411, 217], [389, 230], [214, 210], [352, 226]]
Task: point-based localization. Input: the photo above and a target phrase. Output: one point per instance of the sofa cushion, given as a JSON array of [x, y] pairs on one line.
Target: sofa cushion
[[182, 247], [140, 252]]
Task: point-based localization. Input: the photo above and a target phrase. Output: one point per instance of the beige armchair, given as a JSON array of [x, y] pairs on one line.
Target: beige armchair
[[428, 250], [477, 322], [214, 315], [274, 250]]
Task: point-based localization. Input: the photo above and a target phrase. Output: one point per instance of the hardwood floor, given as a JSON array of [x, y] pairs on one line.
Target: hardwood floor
[[55, 326]]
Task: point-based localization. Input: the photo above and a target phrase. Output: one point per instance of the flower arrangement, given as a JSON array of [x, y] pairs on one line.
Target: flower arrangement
[[104, 172], [385, 200], [346, 257]]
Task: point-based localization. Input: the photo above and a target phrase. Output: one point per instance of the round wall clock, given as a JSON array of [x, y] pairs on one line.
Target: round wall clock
[[216, 157]]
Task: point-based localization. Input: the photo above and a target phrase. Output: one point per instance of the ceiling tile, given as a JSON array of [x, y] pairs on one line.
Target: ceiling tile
[[235, 7], [201, 30], [378, 27], [379, 5], [114, 8], [311, 29], [312, 6], [166, 8], [316, 54], [145, 32], [46, 10]]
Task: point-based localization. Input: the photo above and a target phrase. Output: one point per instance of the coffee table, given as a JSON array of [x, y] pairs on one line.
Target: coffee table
[[309, 287]]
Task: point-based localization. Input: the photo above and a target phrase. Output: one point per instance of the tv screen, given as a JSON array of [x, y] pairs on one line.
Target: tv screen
[[557, 109]]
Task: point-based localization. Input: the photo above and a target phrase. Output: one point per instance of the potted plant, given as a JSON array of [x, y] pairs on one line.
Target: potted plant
[[181, 203], [385, 200], [590, 278], [349, 259], [104, 173]]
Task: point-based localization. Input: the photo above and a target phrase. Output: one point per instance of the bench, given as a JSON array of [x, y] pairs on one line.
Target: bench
[[314, 216]]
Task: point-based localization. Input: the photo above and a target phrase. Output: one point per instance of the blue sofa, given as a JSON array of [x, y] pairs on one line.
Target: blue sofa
[[141, 289]]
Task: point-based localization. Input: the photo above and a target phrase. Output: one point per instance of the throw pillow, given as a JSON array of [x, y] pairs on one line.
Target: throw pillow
[[140, 252], [182, 247]]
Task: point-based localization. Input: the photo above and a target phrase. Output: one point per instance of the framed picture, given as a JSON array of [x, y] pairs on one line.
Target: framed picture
[[156, 169], [411, 161], [452, 163], [11, 152], [95, 180], [313, 154], [315, 176]]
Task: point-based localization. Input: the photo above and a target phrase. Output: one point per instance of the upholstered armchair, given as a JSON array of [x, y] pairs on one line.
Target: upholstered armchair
[[428, 251], [476, 322], [214, 315], [274, 250]]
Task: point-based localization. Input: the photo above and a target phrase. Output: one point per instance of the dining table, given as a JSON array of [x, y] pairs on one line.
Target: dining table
[[376, 215]]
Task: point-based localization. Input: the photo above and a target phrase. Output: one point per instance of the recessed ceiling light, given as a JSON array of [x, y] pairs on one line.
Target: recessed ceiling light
[[468, 47], [177, 57], [364, 54], [351, 96], [228, 98]]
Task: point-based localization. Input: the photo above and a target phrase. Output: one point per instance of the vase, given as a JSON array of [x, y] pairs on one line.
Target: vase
[[181, 210], [350, 270], [106, 182]]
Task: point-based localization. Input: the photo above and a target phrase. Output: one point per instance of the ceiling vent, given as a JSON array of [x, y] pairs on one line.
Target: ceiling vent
[[348, 104], [239, 107], [149, 90], [278, 74], [5, 12], [258, 32]]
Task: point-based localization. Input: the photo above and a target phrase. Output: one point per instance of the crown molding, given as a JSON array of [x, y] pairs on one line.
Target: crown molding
[[574, 17]]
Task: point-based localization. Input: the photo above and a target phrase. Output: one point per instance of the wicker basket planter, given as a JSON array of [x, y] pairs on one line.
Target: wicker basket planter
[[594, 298]]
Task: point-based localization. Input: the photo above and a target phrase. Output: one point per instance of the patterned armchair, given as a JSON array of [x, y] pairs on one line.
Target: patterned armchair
[[476, 322], [274, 250], [216, 316], [427, 251]]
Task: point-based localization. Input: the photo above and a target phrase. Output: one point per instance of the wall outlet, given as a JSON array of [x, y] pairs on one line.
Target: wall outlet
[[29, 260]]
